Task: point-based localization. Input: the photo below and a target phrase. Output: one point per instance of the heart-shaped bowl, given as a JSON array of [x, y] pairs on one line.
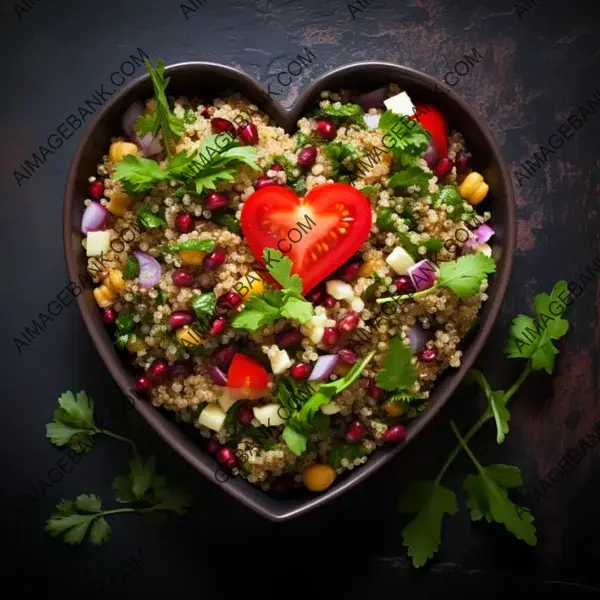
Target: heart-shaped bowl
[[208, 80]]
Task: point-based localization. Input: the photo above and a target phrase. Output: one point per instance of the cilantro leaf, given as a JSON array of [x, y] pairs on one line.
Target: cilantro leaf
[[142, 475], [487, 496], [295, 440], [497, 404], [170, 497], [180, 165], [281, 270], [255, 313], [353, 112], [349, 452], [172, 127], [73, 423], [410, 139], [100, 532], [399, 372], [465, 275], [88, 503], [139, 174], [125, 322], [131, 268], [297, 309], [458, 209], [409, 177], [343, 157], [204, 306], [149, 219], [539, 348], [429, 501]]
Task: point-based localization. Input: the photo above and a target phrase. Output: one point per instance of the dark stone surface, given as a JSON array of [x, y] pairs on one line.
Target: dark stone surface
[[536, 71]]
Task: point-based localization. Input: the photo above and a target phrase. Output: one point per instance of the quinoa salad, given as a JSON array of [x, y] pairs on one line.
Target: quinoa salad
[[293, 297]]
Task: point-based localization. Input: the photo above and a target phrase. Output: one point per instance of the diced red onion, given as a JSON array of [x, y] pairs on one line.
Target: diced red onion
[[373, 99], [94, 217], [150, 270], [149, 145], [130, 116], [417, 337], [422, 275], [432, 156], [372, 121], [216, 375], [470, 246], [324, 367], [483, 233]]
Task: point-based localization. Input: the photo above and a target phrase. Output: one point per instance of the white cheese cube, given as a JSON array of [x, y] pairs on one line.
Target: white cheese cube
[[212, 417], [400, 104], [339, 289], [280, 361], [98, 242], [372, 121], [330, 409], [269, 415], [400, 260]]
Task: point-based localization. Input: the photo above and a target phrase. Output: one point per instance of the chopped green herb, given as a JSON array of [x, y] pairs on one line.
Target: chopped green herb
[[343, 156], [228, 221], [399, 373], [410, 139], [353, 112], [204, 306], [198, 245], [131, 269], [458, 208], [350, 452], [409, 177], [149, 219], [189, 116], [125, 323], [138, 173]]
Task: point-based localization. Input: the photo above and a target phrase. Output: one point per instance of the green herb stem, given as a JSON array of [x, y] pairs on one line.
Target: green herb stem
[[408, 296], [116, 436], [486, 416]]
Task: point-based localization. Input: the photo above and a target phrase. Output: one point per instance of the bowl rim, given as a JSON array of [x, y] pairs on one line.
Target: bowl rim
[[176, 438]]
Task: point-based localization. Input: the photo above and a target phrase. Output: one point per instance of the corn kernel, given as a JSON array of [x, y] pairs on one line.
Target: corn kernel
[[479, 194], [191, 257], [119, 202], [115, 281], [249, 285], [136, 345], [393, 409], [473, 189], [187, 336], [118, 151], [370, 266], [318, 477], [104, 296]]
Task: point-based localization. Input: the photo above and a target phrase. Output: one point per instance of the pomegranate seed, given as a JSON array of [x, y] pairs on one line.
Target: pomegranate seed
[[221, 125], [217, 326], [355, 432], [326, 129], [375, 391], [245, 414], [158, 370], [427, 354], [109, 316], [331, 336], [96, 189], [215, 259], [307, 156], [143, 384], [183, 278], [216, 201], [288, 337], [300, 371], [226, 456], [213, 446], [348, 356], [184, 222], [263, 182], [329, 301], [276, 167], [207, 111], [395, 433], [443, 168], [224, 356], [282, 484], [349, 322], [229, 300], [248, 134], [349, 271], [181, 370], [463, 161], [179, 318], [316, 295], [404, 285]]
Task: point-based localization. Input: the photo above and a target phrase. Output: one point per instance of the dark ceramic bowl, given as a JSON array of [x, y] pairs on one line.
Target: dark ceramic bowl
[[208, 80]]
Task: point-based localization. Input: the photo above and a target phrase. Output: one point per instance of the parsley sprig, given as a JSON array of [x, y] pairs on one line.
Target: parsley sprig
[[272, 305], [487, 490], [74, 426], [410, 139], [463, 276], [354, 113]]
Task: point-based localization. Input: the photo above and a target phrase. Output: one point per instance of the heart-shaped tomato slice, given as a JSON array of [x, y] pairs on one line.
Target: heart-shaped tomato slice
[[434, 122], [319, 232]]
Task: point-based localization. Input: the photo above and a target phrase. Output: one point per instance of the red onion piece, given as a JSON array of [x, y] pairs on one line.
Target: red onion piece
[[149, 145], [373, 99], [216, 375], [483, 233], [150, 270], [372, 121], [130, 116], [417, 337], [422, 275], [94, 217], [432, 156], [324, 367]]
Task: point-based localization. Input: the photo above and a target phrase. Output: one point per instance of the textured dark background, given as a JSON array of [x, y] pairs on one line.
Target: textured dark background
[[536, 70]]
